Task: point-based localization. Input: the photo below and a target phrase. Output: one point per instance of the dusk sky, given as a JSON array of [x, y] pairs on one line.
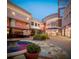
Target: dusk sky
[[38, 8]]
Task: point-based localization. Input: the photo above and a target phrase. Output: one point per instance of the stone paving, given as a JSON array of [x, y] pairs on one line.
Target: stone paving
[[51, 49], [63, 42]]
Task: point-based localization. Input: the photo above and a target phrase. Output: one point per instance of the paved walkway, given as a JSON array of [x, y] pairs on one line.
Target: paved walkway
[[63, 44]]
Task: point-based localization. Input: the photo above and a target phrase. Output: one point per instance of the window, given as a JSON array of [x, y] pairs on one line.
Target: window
[[38, 24], [69, 13], [32, 23], [35, 24]]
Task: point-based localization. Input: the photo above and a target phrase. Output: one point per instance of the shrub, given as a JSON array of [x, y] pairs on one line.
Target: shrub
[[37, 37], [44, 36], [40, 37]]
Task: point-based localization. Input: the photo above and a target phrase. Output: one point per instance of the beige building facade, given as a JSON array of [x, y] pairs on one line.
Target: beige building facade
[[17, 21], [52, 25], [36, 26]]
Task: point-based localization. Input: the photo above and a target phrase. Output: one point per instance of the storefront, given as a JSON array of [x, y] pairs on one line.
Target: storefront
[[66, 31], [52, 32], [17, 28], [17, 21], [63, 31]]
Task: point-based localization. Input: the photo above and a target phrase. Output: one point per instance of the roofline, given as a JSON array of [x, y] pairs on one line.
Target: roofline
[[35, 19], [44, 19], [18, 7]]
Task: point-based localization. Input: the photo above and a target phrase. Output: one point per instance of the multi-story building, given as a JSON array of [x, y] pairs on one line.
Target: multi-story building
[[17, 21], [36, 26], [52, 25], [66, 21]]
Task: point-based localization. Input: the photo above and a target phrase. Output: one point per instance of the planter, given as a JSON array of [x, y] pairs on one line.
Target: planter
[[33, 51], [32, 55]]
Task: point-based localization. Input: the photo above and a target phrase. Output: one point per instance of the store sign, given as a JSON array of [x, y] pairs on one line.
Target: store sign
[[20, 24]]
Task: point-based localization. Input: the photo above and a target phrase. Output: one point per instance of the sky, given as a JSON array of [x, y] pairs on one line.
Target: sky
[[38, 8]]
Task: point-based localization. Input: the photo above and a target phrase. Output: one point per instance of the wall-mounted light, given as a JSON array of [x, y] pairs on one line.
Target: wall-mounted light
[[13, 13], [27, 18]]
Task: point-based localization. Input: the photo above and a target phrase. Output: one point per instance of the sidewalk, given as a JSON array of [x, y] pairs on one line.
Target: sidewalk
[[60, 37], [65, 37], [58, 41]]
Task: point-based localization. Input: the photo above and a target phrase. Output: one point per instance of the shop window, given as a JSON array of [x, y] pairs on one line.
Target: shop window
[[38, 24], [69, 13], [32, 23], [35, 24], [7, 31]]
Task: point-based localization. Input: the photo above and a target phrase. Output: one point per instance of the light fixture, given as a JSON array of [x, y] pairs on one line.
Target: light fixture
[[27, 18], [13, 13]]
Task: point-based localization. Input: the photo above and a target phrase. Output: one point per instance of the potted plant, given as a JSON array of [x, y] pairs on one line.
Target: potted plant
[[33, 51]]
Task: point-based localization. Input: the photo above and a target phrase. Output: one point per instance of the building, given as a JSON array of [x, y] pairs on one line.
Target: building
[[52, 25], [66, 21], [17, 21], [36, 26]]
